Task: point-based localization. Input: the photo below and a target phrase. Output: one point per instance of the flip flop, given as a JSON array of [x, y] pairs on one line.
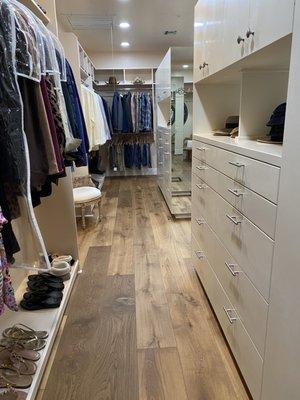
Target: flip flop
[[31, 344], [45, 277], [11, 359], [41, 285], [49, 302], [12, 394], [42, 295], [10, 377], [23, 332], [19, 349]]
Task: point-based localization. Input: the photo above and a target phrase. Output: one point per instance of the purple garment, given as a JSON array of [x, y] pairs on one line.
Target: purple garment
[[51, 122]]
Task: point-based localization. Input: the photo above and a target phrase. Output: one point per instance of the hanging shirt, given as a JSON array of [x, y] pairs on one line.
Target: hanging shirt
[[103, 114]]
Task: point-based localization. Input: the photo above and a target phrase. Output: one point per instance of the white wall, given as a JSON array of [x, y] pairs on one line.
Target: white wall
[[126, 60]]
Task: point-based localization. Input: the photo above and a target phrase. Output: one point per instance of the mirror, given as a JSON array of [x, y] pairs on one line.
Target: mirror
[[181, 124]]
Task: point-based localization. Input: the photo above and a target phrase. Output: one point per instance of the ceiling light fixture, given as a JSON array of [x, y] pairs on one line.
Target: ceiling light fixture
[[125, 44], [124, 25], [185, 66]]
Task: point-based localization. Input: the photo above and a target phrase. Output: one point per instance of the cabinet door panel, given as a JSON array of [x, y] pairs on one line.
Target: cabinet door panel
[[236, 18], [270, 20], [199, 33]]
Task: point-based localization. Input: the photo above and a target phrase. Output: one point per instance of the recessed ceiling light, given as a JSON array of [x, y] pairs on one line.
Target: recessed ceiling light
[[125, 44], [185, 66], [124, 25]]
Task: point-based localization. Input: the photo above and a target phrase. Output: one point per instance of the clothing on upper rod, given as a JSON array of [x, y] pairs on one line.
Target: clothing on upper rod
[[40, 120]]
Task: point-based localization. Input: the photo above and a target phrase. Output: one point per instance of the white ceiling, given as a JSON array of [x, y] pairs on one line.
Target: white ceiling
[[148, 18]]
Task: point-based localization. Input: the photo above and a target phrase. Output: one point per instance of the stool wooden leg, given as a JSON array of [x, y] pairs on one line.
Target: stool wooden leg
[[99, 210], [83, 217]]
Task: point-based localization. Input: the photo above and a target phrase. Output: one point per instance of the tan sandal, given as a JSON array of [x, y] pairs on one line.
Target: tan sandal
[[29, 344], [12, 394], [24, 367], [19, 349], [23, 332], [10, 377]]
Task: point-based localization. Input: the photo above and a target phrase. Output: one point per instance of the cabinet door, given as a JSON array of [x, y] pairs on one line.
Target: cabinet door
[[270, 20], [199, 45], [236, 17]]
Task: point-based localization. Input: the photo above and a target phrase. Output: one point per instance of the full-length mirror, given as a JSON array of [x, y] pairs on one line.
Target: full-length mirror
[[181, 122]]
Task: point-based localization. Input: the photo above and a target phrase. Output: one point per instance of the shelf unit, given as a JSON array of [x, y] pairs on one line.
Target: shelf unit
[[32, 5], [87, 68], [125, 76], [243, 190]]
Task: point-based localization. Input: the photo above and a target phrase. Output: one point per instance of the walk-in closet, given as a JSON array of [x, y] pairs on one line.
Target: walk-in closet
[[149, 219]]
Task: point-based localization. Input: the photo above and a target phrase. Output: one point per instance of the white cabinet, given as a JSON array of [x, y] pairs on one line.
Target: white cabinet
[[228, 30], [270, 20]]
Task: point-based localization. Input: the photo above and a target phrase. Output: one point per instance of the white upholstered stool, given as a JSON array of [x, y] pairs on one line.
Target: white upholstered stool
[[84, 197]]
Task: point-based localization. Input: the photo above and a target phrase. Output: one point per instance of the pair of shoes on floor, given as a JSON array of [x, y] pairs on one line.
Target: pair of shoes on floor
[[44, 291], [61, 266], [18, 357]]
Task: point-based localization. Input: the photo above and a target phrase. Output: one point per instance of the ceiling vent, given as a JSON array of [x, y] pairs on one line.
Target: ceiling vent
[[170, 33], [83, 22]]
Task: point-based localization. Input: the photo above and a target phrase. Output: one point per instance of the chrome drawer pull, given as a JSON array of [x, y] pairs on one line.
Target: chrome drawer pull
[[201, 148], [236, 192], [166, 153], [160, 147], [201, 168], [231, 268], [233, 219], [236, 164], [201, 187], [228, 312], [160, 163], [200, 254], [200, 221]]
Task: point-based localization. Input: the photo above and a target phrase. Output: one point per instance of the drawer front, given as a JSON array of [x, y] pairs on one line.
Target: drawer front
[[260, 211], [243, 349], [260, 177], [251, 248], [250, 305]]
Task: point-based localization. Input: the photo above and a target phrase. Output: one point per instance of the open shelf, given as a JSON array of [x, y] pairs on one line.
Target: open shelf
[[32, 5], [48, 320]]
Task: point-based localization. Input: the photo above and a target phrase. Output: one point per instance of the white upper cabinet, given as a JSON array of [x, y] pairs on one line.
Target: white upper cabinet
[[270, 20], [228, 30]]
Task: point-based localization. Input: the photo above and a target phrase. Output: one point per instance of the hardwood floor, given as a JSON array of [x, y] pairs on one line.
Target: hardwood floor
[[139, 326]]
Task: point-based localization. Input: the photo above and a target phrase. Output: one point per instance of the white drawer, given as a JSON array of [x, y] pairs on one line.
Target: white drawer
[[252, 249], [260, 177], [243, 349], [250, 305], [260, 211]]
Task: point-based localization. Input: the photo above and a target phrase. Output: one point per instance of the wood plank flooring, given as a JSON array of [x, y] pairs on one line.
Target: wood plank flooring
[[139, 326]]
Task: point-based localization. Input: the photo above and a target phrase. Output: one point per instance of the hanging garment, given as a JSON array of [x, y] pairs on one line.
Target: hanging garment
[[12, 146], [37, 130], [93, 118], [7, 297], [76, 118], [117, 113], [103, 116], [127, 117], [108, 116]]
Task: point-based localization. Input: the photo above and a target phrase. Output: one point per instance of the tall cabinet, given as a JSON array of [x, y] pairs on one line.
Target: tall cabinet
[[245, 216]]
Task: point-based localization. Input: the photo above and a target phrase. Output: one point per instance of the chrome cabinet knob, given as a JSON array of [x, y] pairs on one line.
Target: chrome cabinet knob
[[240, 40], [200, 67], [249, 33], [205, 64]]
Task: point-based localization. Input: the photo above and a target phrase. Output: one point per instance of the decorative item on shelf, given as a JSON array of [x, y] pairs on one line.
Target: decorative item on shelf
[[276, 123], [138, 81], [232, 122], [112, 80]]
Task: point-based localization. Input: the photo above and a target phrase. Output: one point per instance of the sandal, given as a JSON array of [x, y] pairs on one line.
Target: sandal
[[12, 394], [31, 344], [10, 377], [23, 332], [42, 285], [49, 302], [44, 277], [42, 295], [11, 359], [19, 349]]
